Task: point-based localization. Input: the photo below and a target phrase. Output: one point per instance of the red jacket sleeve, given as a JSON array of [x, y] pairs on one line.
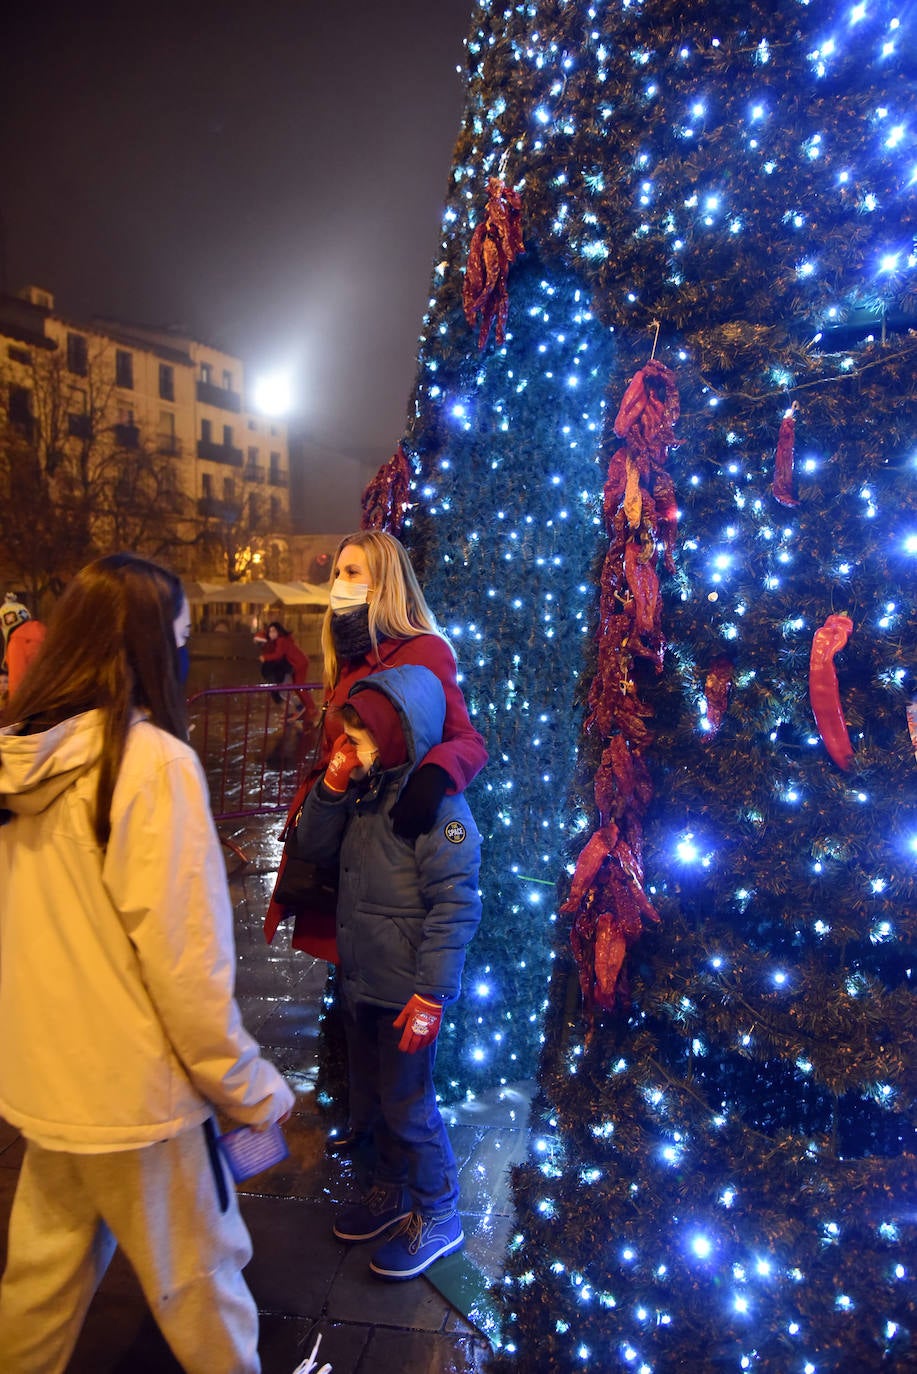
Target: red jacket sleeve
[[298, 661], [462, 753], [272, 651]]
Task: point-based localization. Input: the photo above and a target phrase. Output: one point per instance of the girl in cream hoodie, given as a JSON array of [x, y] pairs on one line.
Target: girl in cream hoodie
[[119, 1030]]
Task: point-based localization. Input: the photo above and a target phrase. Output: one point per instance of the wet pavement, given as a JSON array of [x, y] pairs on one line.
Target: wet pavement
[[306, 1283]]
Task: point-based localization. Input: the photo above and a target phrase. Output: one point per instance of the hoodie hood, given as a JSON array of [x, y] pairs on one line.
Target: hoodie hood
[[418, 697], [36, 769]]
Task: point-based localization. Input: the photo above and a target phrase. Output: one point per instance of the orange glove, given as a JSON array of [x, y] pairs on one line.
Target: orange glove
[[421, 1020], [344, 759]]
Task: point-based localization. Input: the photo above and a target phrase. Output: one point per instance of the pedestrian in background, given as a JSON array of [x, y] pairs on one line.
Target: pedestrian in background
[[282, 660], [22, 639], [117, 970]]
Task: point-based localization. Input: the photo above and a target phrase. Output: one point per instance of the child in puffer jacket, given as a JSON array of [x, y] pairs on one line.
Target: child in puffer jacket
[[405, 913]]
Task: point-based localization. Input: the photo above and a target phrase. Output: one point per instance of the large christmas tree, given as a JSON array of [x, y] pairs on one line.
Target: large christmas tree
[[723, 1175]]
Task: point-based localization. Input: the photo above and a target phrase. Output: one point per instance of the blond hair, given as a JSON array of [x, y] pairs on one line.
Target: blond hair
[[397, 608]]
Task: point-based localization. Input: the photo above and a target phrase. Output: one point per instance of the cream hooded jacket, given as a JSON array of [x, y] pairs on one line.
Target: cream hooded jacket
[[118, 1023]]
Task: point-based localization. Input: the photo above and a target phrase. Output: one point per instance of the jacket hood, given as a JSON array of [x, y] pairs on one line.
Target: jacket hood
[[36, 769], [418, 697]]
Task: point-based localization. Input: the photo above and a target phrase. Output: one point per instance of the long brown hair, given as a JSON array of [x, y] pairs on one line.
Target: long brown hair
[[110, 647], [397, 610]]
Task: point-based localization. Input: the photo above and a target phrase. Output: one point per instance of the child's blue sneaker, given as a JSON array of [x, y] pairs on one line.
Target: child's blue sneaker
[[376, 1211], [416, 1244]]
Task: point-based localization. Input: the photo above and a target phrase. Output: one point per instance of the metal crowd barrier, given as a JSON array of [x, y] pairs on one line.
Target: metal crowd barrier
[[254, 749]]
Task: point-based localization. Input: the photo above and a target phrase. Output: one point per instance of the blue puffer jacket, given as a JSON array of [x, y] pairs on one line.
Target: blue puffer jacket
[[405, 911]]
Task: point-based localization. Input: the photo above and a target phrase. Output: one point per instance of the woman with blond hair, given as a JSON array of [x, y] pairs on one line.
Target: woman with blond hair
[[118, 968], [377, 618]]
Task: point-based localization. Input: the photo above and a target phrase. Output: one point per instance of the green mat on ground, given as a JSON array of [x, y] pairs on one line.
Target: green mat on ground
[[463, 1284]]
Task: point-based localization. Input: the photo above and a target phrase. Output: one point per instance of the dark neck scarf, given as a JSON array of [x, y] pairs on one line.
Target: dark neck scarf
[[350, 633]]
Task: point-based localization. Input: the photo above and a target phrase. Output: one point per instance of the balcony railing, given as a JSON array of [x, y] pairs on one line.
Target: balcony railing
[[79, 426], [127, 436], [255, 472], [168, 444], [212, 508], [278, 479], [220, 453], [211, 395]]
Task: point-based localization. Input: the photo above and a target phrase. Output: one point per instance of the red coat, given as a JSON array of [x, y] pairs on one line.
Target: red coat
[[461, 754], [285, 646], [21, 649]]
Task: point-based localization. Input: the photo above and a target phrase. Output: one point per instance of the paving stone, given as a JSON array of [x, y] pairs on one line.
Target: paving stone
[[296, 1256], [423, 1354], [343, 1347], [357, 1295]]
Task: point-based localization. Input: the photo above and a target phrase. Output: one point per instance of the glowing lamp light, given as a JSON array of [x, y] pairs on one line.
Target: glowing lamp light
[[273, 394], [702, 1247]]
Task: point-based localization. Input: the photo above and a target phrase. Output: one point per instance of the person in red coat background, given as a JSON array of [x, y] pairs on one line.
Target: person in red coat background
[[22, 639], [283, 660]]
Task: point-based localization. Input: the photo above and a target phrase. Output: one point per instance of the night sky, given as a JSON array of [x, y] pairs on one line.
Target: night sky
[[269, 175]]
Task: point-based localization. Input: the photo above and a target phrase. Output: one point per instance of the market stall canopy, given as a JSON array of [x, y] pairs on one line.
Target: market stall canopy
[[260, 593]]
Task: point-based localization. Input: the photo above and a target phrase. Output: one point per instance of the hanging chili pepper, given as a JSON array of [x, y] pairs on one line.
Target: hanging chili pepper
[[783, 460], [823, 689]]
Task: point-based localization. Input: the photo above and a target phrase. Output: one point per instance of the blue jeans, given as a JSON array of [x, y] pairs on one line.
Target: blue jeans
[[392, 1094]]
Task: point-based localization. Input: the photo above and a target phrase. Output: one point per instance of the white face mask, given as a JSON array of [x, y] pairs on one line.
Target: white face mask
[[346, 596], [367, 754]]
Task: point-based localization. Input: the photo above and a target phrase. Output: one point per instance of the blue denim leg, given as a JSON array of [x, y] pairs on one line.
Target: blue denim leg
[[409, 1133], [363, 1074]]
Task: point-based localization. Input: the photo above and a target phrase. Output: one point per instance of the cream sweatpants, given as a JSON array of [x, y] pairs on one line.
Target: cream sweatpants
[[160, 1205]]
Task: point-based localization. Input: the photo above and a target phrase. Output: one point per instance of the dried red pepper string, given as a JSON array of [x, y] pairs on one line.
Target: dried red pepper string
[[387, 496], [495, 245], [783, 460], [607, 900], [823, 689]]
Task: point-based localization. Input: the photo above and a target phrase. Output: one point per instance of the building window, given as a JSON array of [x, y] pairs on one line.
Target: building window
[[77, 355], [254, 507], [274, 429], [253, 425], [166, 382], [206, 373], [206, 431], [124, 369], [126, 433], [276, 510], [167, 442], [227, 380], [19, 355], [20, 406], [227, 436], [275, 467], [252, 457], [206, 486], [229, 489]]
